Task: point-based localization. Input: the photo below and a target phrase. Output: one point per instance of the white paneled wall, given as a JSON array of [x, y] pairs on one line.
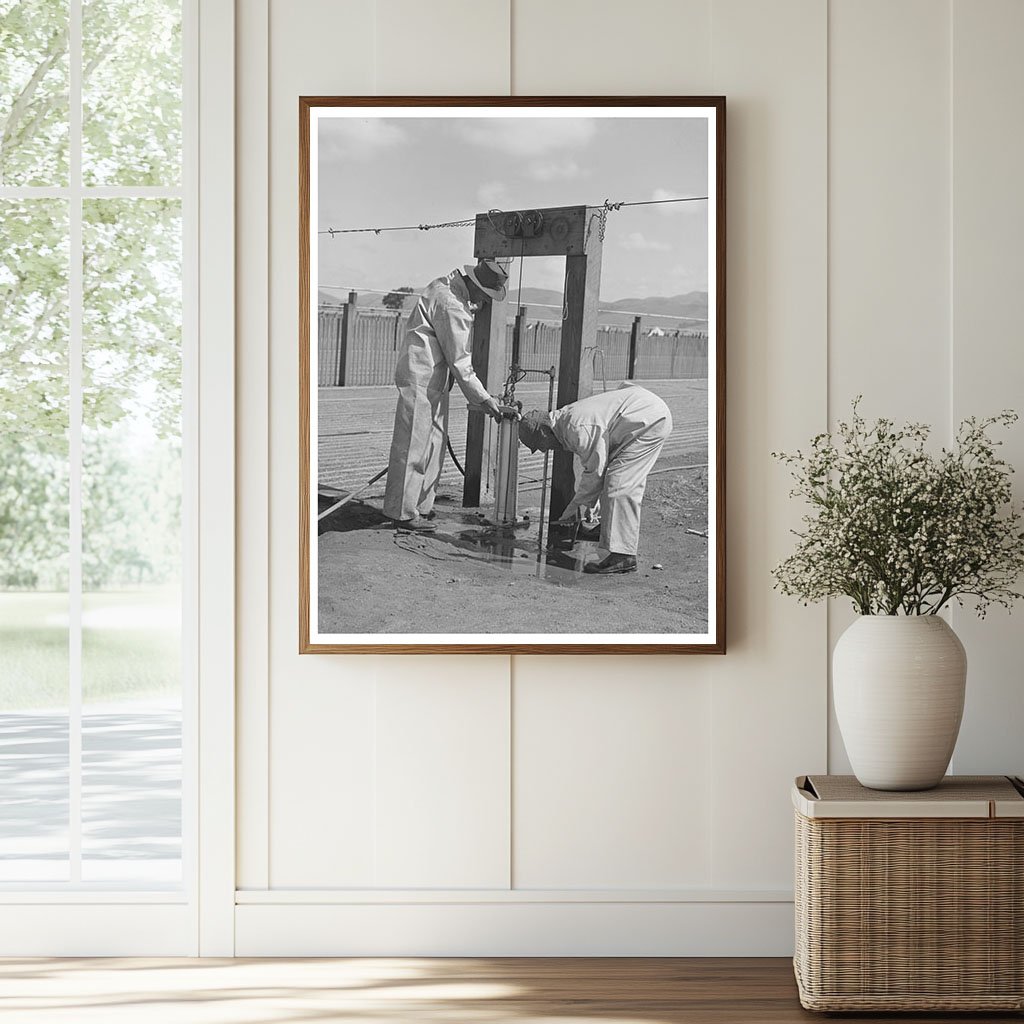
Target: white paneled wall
[[578, 47], [320, 813], [889, 191], [986, 371], [612, 783], [442, 799], [442, 48], [925, 221], [626, 805], [768, 693], [322, 780], [889, 212]]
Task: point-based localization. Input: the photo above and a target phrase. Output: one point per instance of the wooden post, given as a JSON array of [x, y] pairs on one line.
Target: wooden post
[[634, 342], [579, 336], [348, 334], [517, 334], [575, 233], [490, 360]]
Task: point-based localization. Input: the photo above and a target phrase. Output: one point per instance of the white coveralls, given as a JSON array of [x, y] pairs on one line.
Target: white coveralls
[[617, 436], [438, 336]]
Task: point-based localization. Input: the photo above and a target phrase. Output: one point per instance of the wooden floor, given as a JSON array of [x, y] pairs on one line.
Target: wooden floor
[[382, 991]]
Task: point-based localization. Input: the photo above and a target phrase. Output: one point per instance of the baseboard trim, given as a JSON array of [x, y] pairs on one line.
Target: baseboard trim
[[516, 928]]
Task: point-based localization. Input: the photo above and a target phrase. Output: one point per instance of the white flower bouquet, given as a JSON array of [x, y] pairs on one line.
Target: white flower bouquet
[[900, 530]]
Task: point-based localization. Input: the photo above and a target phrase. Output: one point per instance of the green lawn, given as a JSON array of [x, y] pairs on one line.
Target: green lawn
[[130, 647]]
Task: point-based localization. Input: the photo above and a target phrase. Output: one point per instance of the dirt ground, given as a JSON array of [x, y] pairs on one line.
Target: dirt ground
[[469, 577]]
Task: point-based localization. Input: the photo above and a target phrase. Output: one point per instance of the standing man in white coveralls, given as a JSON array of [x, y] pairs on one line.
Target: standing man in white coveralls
[[617, 436], [437, 347]]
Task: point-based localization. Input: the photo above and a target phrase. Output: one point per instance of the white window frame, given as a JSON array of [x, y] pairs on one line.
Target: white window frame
[[197, 918], [215, 276]]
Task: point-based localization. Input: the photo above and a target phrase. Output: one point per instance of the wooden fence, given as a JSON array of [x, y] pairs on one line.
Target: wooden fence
[[371, 352], [365, 352], [670, 356]]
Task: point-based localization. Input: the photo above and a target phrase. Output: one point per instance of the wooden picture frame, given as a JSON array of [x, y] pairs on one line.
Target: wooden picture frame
[[370, 124]]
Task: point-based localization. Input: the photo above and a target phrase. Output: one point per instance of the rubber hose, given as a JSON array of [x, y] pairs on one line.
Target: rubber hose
[[451, 452]]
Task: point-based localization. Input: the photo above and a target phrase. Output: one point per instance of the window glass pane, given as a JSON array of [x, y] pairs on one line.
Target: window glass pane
[[33, 92], [131, 92], [33, 540], [131, 541]]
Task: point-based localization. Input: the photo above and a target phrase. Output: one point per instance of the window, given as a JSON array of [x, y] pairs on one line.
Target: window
[[95, 463]]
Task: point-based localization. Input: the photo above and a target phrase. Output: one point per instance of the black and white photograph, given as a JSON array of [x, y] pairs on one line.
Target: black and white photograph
[[512, 374]]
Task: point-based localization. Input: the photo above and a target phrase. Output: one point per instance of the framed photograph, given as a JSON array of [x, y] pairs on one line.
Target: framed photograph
[[512, 374]]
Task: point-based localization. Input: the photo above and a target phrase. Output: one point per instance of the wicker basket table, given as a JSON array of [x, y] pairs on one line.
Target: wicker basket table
[[910, 901]]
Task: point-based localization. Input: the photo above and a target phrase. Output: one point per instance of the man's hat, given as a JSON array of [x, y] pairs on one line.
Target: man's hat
[[532, 428], [490, 277]]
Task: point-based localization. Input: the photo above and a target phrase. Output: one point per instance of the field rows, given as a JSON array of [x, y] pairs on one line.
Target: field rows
[[356, 425]]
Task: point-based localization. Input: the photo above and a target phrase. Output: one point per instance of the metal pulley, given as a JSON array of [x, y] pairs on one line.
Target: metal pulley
[[521, 224]]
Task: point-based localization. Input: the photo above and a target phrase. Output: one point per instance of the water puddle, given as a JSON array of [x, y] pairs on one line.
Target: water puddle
[[512, 549]]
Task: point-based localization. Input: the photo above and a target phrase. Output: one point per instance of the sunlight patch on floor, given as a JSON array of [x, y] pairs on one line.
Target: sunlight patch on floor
[[189, 991]]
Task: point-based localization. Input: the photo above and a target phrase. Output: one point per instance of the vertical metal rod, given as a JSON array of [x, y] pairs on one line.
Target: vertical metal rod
[[544, 478]]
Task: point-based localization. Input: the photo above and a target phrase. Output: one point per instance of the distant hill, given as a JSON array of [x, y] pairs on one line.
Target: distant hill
[[545, 304], [338, 298]]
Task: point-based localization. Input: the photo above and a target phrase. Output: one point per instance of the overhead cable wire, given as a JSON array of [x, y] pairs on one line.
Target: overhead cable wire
[[403, 227], [653, 202], [470, 221]]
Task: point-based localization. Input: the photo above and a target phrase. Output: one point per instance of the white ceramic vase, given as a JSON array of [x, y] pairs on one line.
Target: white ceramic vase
[[898, 684]]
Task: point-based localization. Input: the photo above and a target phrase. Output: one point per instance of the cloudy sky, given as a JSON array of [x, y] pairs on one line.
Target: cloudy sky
[[389, 171]]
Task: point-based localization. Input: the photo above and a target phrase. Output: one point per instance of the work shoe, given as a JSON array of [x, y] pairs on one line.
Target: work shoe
[[562, 536], [614, 563], [417, 525]]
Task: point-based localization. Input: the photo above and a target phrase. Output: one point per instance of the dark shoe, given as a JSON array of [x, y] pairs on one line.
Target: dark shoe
[[612, 564], [413, 526], [562, 536], [589, 531]]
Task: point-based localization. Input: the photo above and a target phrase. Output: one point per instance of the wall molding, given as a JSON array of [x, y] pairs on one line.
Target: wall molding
[[364, 897]]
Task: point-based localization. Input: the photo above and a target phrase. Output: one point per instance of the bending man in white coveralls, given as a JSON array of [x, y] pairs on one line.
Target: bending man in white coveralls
[[438, 338], [617, 436]]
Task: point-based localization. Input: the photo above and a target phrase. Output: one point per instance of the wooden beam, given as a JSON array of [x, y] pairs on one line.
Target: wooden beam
[[634, 342], [490, 360], [562, 232], [348, 333], [579, 340]]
